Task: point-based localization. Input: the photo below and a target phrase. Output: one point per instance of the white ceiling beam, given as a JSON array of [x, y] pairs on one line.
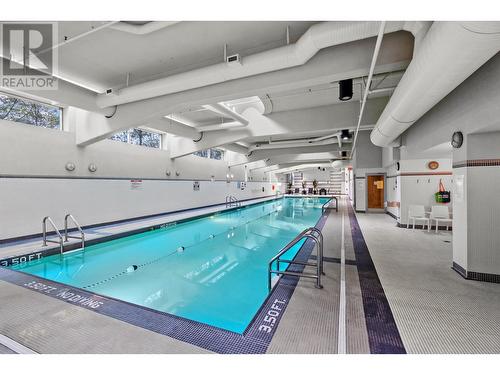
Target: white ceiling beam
[[239, 149], [319, 120], [329, 65]]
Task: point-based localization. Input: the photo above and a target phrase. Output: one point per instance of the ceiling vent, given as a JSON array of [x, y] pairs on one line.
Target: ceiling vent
[[233, 59]]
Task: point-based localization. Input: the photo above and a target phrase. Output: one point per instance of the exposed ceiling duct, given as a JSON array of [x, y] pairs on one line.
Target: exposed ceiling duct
[[317, 37], [449, 54], [142, 28], [318, 141]]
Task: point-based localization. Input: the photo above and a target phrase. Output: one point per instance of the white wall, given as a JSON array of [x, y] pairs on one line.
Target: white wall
[[472, 108], [34, 182], [316, 174], [25, 201], [482, 204], [367, 160]]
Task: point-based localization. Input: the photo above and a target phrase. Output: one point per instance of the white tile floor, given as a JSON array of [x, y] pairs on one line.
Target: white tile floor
[[436, 310]]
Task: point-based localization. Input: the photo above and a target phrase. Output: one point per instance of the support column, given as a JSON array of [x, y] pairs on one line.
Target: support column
[[476, 207]]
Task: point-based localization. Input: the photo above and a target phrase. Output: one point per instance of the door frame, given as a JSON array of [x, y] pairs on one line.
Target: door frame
[[383, 209]]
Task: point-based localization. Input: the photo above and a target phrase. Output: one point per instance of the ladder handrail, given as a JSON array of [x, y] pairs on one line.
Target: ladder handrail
[[230, 199], [312, 233], [67, 236], [326, 204], [44, 232]]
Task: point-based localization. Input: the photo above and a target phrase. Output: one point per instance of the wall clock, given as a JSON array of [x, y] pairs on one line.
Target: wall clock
[[433, 165], [457, 139]]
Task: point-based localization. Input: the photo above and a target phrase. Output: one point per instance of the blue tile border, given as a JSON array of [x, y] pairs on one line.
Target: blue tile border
[[383, 333], [476, 276], [255, 339]]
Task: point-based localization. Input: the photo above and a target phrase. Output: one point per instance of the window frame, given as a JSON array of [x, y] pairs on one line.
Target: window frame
[[210, 153], [128, 141], [29, 100]]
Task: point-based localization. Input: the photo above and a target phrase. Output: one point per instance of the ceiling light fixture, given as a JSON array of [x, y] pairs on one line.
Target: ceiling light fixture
[[345, 134], [345, 89]]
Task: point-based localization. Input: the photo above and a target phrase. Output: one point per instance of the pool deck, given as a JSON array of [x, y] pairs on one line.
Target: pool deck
[[400, 296]]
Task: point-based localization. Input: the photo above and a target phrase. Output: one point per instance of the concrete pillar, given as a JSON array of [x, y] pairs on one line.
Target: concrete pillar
[[476, 207]]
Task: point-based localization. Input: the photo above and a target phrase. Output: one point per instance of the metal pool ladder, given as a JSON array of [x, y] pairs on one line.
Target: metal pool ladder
[[312, 233], [327, 204], [44, 233], [67, 236], [232, 200]]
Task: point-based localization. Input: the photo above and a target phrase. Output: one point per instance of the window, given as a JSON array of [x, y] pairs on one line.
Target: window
[[138, 137], [202, 153], [13, 108], [216, 154], [211, 153]]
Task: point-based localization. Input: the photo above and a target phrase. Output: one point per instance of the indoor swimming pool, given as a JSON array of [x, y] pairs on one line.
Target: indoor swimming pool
[[211, 270]]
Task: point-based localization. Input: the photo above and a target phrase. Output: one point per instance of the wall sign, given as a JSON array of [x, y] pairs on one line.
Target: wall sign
[[135, 184], [433, 165]]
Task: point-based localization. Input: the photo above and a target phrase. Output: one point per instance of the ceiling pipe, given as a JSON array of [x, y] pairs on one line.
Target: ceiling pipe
[[317, 37], [71, 39], [288, 144], [300, 141], [224, 125], [449, 54], [378, 43], [144, 29]]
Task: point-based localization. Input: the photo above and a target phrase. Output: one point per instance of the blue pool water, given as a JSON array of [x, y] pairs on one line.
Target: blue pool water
[[219, 278]]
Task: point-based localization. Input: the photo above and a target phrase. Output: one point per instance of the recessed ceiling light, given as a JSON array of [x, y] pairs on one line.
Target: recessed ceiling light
[[345, 89]]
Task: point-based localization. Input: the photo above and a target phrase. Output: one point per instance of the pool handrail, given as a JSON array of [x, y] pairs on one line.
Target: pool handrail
[[67, 236], [230, 199], [310, 233], [44, 233], [326, 205]]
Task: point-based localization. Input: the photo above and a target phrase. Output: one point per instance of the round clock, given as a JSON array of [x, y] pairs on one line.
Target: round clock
[[457, 139], [433, 165]]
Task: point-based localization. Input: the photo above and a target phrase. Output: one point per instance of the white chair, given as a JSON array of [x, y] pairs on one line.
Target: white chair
[[441, 213], [417, 212]]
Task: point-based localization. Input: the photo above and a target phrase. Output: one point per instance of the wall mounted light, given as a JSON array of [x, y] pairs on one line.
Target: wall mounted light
[[345, 134], [92, 167], [345, 90], [70, 167], [168, 173], [177, 173]]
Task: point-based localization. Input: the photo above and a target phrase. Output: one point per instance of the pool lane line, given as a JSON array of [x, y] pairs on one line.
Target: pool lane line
[[383, 332], [15, 346], [173, 252], [341, 342]]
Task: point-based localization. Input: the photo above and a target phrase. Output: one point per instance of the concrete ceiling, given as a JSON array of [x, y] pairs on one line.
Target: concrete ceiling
[[103, 58], [299, 102]]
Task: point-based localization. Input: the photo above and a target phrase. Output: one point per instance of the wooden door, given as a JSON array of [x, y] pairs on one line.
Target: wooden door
[[375, 191]]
